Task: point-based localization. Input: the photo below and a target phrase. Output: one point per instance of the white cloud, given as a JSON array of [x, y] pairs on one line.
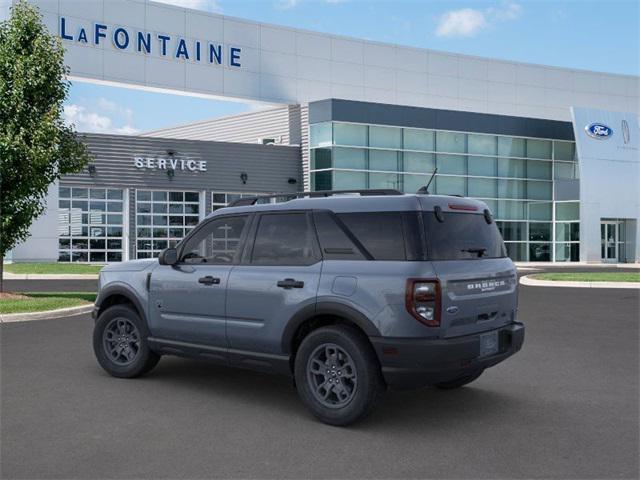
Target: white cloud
[[467, 22], [208, 5], [286, 4], [86, 120]]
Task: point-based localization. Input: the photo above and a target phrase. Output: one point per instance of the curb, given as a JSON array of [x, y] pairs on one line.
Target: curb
[[532, 282], [46, 315], [50, 276]]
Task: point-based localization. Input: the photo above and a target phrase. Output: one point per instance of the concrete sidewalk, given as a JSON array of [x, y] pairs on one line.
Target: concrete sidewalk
[[533, 282], [50, 276]]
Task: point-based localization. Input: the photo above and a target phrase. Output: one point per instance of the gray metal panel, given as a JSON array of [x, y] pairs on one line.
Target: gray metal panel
[[268, 166], [419, 117], [566, 190], [244, 128]]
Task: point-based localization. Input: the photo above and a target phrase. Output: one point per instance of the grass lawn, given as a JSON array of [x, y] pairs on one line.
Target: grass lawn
[[42, 301], [589, 276], [51, 268]]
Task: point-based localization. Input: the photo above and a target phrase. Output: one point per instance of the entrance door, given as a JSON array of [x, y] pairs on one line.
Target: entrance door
[[609, 241]]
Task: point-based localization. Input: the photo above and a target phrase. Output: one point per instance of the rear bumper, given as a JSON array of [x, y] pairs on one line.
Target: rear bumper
[[413, 363]]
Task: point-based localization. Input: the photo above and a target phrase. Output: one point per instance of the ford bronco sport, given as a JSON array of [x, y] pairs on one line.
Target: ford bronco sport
[[348, 293]]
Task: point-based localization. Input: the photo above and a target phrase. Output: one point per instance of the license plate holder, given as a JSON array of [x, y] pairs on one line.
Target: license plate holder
[[489, 344]]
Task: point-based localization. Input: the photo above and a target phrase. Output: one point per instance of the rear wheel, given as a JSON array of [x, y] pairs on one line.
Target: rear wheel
[[337, 375], [120, 343], [459, 382]]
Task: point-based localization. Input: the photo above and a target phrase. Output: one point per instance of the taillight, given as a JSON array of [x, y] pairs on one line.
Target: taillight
[[423, 301]]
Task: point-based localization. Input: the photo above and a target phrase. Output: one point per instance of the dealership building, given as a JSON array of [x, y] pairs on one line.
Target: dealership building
[[554, 152]]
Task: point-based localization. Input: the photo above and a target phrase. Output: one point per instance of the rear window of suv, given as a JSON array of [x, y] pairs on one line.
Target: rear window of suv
[[462, 236]]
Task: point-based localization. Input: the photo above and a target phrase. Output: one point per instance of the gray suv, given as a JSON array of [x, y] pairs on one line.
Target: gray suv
[[350, 293]]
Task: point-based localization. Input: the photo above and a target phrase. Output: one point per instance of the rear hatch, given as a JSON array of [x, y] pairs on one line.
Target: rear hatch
[[478, 281]]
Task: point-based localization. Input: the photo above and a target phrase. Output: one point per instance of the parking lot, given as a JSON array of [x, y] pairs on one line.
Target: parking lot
[[565, 406]]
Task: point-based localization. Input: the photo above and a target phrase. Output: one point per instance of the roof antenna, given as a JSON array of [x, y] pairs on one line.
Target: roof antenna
[[425, 190]]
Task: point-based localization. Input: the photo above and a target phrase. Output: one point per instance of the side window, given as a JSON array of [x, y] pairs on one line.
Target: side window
[[335, 243], [381, 233], [217, 243], [284, 239]]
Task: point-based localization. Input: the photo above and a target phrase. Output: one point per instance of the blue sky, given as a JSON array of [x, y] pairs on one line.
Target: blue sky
[[599, 35]]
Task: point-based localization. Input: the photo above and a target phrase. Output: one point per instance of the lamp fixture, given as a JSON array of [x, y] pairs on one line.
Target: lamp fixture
[[170, 173], [92, 170], [244, 177], [292, 181]]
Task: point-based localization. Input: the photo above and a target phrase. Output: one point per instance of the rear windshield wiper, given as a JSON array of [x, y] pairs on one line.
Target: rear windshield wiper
[[479, 251]]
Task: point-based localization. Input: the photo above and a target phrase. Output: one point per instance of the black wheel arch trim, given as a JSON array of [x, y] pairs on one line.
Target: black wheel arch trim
[[123, 290], [326, 308]]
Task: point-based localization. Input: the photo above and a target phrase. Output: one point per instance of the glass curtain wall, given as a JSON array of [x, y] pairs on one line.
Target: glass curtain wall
[[513, 175]]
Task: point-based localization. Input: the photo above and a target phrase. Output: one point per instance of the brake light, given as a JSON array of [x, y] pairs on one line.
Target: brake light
[[466, 208], [423, 301]]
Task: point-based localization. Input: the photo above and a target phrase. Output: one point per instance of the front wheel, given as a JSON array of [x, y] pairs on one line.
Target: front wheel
[[120, 343], [459, 382], [337, 375]]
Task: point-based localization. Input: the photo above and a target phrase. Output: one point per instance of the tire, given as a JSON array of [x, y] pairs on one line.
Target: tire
[[338, 363], [130, 358], [459, 382]]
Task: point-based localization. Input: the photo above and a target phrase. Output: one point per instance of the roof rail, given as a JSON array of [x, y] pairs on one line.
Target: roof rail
[[321, 193]]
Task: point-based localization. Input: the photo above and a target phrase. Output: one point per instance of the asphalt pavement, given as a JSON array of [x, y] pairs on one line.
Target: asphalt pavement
[[566, 406]]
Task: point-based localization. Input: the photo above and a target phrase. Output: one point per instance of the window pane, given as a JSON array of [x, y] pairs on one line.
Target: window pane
[[419, 162], [539, 149], [451, 142], [511, 189], [517, 251], [64, 192], [412, 183], [143, 196], [191, 197], [346, 134], [539, 232], [384, 180], [98, 193], [380, 233], [539, 190], [349, 180], [513, 231], [511, 147], [540, 211], [450, 185], [220, 198], [322, 180], [567, 252], [320, 134], [459, 234], [80, 192], [159, 196], [114, 194], [483, 187], [334, 242], [539, 169], [510, 210], [483, 144], [567, 232], [539, 252], [567, 211], [320, 158], [284, 239], [511, 167], [565, 171], [564, 150], [419, 139], [350, 158], [175, 196], [455, 164], [385, 137], [217, 243], [383, 160], [484, 166]]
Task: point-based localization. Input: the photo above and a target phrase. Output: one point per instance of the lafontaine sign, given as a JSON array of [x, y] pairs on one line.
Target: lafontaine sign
[[162, 45]]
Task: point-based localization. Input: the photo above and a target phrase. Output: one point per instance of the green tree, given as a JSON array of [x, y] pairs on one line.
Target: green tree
[[36, 147]]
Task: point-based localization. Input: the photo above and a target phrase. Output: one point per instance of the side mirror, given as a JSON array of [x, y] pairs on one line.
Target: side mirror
[[168, 256]]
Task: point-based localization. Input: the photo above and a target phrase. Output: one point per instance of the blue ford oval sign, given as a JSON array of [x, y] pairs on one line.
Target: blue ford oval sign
[[599, 131]]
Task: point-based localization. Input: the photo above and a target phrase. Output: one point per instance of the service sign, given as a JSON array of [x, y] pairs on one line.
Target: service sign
[[171, 163]]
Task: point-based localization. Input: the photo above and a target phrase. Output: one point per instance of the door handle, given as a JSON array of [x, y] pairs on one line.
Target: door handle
[[290, 283], [209, 280]]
